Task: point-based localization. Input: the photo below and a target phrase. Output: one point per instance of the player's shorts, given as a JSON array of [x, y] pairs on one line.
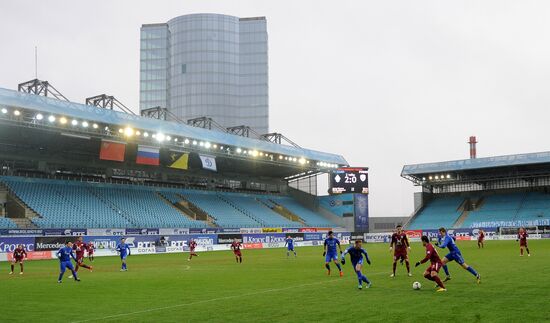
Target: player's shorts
[[290, 248], [400, 254], [455, 256], [331, 256], [355, 263], [523, 243], [480, 239], [16, 260], [237, 253], [191, 249], [65, 264], [435, 267], [79, 260], [123, 256]]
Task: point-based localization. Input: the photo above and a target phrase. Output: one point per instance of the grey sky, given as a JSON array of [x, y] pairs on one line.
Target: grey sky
[[383, 83]]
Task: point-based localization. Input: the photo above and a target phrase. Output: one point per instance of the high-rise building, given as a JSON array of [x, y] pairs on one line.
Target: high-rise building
[[207, 65]]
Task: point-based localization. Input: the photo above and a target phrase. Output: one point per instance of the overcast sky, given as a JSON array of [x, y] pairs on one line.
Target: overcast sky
[[383, 83]]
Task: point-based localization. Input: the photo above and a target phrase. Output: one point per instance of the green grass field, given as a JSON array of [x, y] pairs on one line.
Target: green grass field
[[268, 287]]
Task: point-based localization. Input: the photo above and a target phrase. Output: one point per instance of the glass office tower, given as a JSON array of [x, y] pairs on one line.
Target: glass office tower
[[207, 65]]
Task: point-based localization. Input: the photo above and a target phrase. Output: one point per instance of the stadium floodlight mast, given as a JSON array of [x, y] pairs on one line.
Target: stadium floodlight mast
[[145, 134], [39, 116], [160, 137], [51, 119], [63, 120], [95, 126], [85, 124], [17, 112]]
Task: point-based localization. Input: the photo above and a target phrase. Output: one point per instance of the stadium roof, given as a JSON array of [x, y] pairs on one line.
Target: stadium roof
[[476, 163], [91, 113]]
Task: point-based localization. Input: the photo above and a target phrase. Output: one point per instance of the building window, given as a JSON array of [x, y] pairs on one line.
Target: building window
[[183, 68]]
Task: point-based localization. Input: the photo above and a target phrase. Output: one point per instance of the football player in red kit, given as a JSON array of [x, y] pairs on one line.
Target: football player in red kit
[[522, 237], [236, 247], [192, 246], [431, 272], [19, 255], [400, 246], [480, 238], [91, 250], [79, 248]]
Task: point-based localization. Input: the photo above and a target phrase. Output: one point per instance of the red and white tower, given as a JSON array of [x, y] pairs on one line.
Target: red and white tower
[[473, 151]]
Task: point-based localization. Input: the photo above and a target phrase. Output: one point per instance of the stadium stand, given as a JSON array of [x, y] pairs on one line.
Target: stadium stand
[[309, 217], [490, 208], [440, 212], [62, 204], [7, 223]]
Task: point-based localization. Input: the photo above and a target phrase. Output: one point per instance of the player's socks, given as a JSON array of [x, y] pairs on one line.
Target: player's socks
[[12, 267], [365, 279], [327, 266], [446, 269], [240, 259], [528, 253], [295, 255], [408, 266], [75, 277], [521, 251], [339, 267], [21, 265], [394, 265], [472, 271], [438, 281], [60, 277]]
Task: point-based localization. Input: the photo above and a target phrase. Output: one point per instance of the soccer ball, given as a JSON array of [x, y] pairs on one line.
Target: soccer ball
[[416, 285]]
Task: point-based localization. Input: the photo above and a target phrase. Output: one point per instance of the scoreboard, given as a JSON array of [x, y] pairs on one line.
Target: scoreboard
[[349, 180]]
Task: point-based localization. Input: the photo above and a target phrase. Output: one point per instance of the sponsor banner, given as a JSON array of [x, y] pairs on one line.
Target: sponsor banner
[[160, 249], [106, 232], [545, 236], [3, 256], [291, 229], [204, 230], [264, 238], [65, 232], [142, 231], [8, 244], [21, 232], [252, 230], [384, 237], [272, 230], [50, 243], [310, 236], [307, 230], [357, 236], [273, 245], [227, 238], [253, 245], [173, 231], [361, 212], [103, 242], [36, 255], [295, 236], [230, 230], [413, 234]]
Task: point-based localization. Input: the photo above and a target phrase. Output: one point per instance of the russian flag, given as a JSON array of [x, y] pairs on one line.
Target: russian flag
[[147, 155]]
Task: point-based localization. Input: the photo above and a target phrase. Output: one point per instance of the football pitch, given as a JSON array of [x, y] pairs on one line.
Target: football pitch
[[268, 287]]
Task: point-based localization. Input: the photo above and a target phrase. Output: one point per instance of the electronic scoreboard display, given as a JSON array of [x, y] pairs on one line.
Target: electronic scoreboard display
[[349, 180]]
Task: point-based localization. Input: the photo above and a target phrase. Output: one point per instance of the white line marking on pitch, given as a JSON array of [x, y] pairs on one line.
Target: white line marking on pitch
[[206, 301]]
